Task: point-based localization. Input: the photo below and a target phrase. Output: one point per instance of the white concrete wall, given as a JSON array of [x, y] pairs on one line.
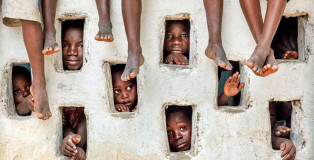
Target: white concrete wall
[[218, 133]]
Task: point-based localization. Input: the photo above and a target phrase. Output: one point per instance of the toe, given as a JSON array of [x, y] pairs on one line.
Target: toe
[[250, 63]]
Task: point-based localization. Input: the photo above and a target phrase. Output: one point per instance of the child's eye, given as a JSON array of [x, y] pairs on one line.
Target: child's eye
[[169, 132], [185, 35], [168, 36], [129, 88], [17, 91], [28, 86], [64, 45], [182, 128], [80, 46], [116, 91]]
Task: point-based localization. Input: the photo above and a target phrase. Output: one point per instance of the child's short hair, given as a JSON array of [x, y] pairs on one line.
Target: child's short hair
[[21, 70], [120, 68], [185, 22], [78, 23], [186, 109]]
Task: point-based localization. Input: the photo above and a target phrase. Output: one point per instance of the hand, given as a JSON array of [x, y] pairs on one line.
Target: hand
[[68, 147], [177, 58], [281, 131], [231, 86], [122, 108], [135, 108], [80, 155], [288, 150]]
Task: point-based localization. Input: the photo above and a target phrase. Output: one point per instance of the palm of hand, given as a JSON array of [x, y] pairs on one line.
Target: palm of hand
[[231, 88]]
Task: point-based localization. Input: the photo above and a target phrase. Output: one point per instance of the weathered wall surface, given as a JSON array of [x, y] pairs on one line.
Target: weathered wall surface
[[218, 133]]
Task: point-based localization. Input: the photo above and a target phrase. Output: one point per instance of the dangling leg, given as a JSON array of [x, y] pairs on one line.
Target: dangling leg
[[214, 49], [131, 10], [32, 34], [104, 24], [49, 12]]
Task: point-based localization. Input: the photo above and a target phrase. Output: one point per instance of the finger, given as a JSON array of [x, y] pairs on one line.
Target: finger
[[234, 77], [229, 79], [125, 109], [71, 144], [76, 139], [69, 149], [240, 86], [176, 60], [287, 154], [66, 152], [238, 79], [285, 151]]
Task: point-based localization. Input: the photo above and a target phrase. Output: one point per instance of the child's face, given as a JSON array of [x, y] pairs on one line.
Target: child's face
[[72, 48], [273, 114], [21, 88], [179, 131], [124, 92], [177, 38]]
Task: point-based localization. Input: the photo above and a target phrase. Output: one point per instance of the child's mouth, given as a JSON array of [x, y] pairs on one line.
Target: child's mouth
[[181, 146], [72, 62]]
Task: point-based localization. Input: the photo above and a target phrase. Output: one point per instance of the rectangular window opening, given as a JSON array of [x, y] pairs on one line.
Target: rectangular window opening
[[74, 125], [176, 47], [223, 75], [72, 33], [124, 92], [179, 128], [280, 122], [21, 83], [285, 41]]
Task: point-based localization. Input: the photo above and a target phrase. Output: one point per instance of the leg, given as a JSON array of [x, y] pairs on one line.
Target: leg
[[104, 24], [252, 12], [32, 35], [214, 49], [131, 10], [49, 12]]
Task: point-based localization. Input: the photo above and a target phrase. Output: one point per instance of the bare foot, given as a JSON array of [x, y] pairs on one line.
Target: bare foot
[[105, 33], [257, 59], [41, 106], [291, 55], [50, 45], [270, 66], [217, 53], [132, 67]]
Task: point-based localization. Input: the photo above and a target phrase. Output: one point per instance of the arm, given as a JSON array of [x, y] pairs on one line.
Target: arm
[[231, 88], [82, 131], [285, 145]]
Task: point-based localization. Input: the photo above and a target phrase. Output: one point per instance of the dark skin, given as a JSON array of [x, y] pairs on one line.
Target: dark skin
[[32, 35], [104, 24], [215, 49], [49, 12], [262, 61], [179, 128], [131, 10], [72, 48], [125, 93], [177, 43], [22, 97], [284, 144], [231, 88], [73, 143]]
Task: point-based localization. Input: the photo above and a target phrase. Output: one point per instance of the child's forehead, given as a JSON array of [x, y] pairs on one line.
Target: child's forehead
[[178, 116], [176, 24]]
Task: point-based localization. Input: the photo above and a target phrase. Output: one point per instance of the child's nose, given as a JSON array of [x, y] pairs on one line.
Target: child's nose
[[72, 51], [176, 41], [177, 135], [25, 93], [125, 95]]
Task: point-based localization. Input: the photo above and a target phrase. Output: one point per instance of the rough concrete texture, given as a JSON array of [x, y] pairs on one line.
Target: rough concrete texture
[[218, 133]]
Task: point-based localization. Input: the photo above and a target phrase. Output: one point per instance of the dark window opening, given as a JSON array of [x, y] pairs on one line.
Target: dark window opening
[[285, 42], [72, 44], [280, 119], [74, 130], [179, 127], [177, 42], [124, 92], [223, 76], [21, 83]]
